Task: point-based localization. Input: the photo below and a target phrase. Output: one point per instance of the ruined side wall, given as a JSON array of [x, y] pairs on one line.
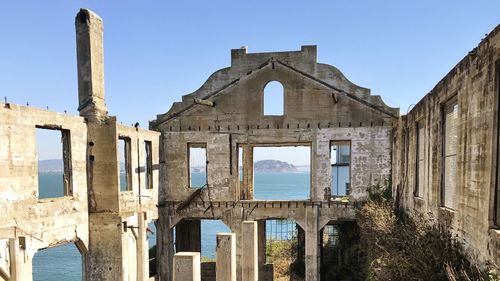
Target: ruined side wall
[[474, 81], [23, 213], [140, 198]]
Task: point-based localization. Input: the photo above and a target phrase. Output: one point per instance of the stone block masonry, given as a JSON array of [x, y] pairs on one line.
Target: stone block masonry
[[226, 257]]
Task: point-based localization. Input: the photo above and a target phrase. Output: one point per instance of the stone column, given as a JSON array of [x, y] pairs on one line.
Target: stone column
[[226, 257], [187, 267], [247, 190], [165, 246], [142, 248], [320, 170], [261, 241], [249, 262], [90, 63], [312, 244], [21, 260]]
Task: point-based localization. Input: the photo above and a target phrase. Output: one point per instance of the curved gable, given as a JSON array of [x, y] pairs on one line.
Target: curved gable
[[312, 91]]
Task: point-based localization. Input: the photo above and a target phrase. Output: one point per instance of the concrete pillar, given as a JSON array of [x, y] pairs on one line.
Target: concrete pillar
[[90, 63], [247, 189], [312, 244], [142, 248], [188, 236], [165, 246], [261, 242], [106, 248], [236, 227], [249, 262], [226, 257], [20, 260], [187, 267], [320, 170]]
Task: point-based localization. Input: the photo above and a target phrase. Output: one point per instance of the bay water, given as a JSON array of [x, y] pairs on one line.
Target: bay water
[[64, 263]]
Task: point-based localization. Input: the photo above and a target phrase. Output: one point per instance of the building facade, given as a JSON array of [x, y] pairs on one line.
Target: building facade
[[341, 124]]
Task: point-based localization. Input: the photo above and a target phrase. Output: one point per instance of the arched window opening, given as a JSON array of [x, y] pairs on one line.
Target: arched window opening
[[274, 98], [63, 262]]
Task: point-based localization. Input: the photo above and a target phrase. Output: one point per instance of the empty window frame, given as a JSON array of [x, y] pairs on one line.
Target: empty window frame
[[197, 158], [449, 153], [240, 163], [340, 161], [281, 172], [148, 165], [54, 162], [419, 159], [124, 159], [274, 98]]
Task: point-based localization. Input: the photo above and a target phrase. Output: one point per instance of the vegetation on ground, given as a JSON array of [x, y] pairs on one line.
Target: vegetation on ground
[[283, 255], [400, 247]]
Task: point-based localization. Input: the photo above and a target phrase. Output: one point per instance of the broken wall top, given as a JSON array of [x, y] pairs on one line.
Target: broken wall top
[[312, 91]]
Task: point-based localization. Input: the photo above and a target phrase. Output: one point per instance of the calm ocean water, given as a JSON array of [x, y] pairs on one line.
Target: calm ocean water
[[64, 263]]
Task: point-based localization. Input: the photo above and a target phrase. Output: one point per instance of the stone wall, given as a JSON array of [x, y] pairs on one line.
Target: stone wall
[[227, 114], [108, 225], [474, 81], [25, 217]]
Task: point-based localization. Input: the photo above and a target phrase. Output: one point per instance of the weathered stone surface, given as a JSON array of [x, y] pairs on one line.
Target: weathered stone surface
[[187, 266], [474, 81], [249, 262], [108, 226], [320, 106], [226, 257]]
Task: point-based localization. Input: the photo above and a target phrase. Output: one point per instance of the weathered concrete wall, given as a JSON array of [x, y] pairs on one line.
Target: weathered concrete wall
[[475, 83], [107, 225], [227, 113], [320, 105], [24, 214], [370, 158]]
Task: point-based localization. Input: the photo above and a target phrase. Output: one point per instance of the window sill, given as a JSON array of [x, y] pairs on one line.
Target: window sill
[[56, 199], [447, 209]]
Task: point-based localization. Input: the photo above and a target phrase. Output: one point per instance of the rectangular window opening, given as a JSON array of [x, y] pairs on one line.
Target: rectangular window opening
[[419, 156], [148, 165], [449, 153], [240, 163], [340, 162], [331, 253], [283, 235], [197, 156], [54, 162], [282, 172], [124, 159], [151, 237]]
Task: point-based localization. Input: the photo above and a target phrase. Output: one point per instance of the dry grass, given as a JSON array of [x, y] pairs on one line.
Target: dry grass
[[412, 248], [282, 254]]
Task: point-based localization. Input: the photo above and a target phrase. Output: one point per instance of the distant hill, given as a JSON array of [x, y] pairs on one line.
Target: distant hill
[[274, 166], [50, 166]]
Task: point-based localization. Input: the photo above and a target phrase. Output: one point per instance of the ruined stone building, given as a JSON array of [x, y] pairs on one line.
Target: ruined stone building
[[107, 225], [321, 109], [445, 152], [442, 157]]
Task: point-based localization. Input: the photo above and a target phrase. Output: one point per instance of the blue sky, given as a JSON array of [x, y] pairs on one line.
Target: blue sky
[[157, 51]]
